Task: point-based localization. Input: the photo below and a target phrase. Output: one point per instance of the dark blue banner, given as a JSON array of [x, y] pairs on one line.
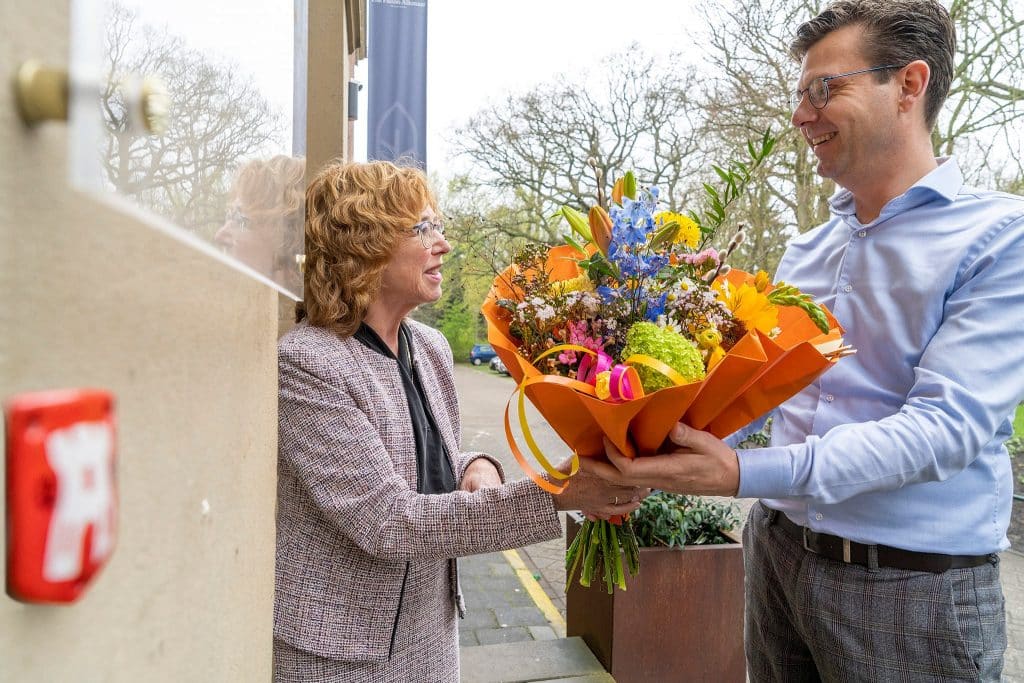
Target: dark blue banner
[[397, 80]]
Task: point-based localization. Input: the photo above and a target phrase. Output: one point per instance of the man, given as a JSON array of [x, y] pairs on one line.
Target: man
[[886, 488]]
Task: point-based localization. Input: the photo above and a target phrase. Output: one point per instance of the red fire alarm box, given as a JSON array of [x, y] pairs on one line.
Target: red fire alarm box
[[61, 492]]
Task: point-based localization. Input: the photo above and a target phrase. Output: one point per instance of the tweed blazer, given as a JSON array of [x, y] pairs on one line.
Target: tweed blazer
[[357, 546]]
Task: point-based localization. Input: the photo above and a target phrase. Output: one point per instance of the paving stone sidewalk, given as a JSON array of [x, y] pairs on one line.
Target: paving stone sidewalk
[[499, 609]]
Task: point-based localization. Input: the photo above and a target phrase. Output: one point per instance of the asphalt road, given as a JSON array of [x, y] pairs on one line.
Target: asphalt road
[[483, 395]]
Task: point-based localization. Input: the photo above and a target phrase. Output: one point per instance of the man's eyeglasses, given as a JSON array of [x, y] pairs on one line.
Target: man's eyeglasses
[[426, 229], [235, 216], [817, 90]]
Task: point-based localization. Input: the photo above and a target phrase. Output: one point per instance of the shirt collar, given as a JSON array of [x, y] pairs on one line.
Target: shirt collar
[[943, 182]]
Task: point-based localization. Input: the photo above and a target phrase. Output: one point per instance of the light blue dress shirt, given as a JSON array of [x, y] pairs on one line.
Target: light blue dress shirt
[[902, 444]]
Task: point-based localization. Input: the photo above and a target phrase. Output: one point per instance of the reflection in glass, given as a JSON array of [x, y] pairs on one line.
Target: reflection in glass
[[263, 224], [227, 67]]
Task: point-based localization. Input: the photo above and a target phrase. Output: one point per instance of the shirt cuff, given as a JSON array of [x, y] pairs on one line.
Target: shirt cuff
[[765, 473]]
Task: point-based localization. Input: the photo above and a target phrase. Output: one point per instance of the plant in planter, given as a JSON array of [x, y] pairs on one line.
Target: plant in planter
[[672, 520], [681, 618]]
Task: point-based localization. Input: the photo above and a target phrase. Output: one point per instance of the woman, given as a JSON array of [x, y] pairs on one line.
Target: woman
[[374, 496]]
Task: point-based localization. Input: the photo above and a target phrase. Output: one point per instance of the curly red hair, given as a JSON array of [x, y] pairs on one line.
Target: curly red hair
[[355, 215]]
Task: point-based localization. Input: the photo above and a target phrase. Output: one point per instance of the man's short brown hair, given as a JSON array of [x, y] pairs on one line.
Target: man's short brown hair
[[895, 32]]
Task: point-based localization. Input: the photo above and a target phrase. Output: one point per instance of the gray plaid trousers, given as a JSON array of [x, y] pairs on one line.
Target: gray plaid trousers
[[810, 618]]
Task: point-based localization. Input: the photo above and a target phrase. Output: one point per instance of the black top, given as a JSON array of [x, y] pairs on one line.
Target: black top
[[433, 468]]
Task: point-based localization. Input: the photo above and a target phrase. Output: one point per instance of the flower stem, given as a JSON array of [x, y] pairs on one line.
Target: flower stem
[[601, 545]]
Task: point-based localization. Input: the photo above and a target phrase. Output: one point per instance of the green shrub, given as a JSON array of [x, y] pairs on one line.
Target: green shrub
[[456, 323], [673, 520], [758, 439]]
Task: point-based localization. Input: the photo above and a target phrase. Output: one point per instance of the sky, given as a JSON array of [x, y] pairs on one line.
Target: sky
[[477, 51]]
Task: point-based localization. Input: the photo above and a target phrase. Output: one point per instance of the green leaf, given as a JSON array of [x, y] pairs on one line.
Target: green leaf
[[817, 315], [575, 244]]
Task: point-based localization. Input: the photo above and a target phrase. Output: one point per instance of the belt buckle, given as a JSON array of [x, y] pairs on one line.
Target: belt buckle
[[846, 546]]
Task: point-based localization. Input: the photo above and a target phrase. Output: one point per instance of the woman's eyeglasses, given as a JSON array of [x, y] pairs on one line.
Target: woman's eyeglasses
[[426, 229], [235, 216]]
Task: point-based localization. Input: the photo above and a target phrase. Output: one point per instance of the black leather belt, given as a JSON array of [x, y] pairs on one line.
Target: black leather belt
[[844, 550]]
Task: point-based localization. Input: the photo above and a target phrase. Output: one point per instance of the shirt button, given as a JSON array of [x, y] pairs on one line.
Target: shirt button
[[830, 398], [862, 233], [818, 516], [848, 288]]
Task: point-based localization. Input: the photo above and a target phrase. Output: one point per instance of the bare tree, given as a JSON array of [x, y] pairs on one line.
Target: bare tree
[[753, 75], [218, 118], [987, 94], [635, 113]]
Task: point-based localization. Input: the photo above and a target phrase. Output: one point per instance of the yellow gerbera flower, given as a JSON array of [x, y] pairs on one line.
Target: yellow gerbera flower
[[580, 283], [749, 306], [688, 233]]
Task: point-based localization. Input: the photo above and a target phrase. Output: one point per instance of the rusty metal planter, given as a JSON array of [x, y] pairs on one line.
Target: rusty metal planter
[[681, 618]]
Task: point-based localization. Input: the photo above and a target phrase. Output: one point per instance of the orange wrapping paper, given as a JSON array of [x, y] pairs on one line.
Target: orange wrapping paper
[[756, 375]]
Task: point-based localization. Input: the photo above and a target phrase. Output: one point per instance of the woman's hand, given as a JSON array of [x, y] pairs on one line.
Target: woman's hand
[[600, 498], [480, 474]]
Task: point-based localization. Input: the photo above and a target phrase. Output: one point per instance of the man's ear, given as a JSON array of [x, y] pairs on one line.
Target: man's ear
[[913, 81]]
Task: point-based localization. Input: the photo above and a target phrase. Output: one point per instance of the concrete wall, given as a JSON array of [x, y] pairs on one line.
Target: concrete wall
[[89, 297]]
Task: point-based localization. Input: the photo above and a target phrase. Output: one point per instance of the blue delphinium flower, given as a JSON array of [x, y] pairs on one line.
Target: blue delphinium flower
[[655, 306], [607, 293]]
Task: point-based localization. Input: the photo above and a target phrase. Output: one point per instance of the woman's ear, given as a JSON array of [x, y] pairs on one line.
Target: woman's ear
[[913, 81]]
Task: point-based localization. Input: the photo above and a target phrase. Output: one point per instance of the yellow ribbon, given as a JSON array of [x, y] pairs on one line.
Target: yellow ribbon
[[657, 366], [582, 387], [528, 434]]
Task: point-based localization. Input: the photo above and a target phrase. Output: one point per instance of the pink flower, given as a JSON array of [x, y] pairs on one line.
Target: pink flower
[[709, 254], [578, 336]]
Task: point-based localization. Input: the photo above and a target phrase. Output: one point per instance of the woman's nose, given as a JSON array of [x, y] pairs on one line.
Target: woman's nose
[[442, 246], [223, 235]]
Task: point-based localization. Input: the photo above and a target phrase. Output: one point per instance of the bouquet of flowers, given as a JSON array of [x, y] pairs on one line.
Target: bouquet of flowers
[[637, 322]]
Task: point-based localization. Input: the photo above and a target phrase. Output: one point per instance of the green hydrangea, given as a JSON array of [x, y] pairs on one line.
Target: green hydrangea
[[669, 347]]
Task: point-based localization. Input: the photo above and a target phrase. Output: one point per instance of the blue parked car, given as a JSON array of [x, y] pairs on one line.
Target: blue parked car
[[481, 353]]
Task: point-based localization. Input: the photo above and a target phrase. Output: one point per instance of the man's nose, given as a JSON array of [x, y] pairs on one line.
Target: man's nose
[[804, 112]]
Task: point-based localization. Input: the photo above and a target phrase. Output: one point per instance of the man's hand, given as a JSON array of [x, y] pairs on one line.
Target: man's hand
[[480, 474], [700, 464]]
